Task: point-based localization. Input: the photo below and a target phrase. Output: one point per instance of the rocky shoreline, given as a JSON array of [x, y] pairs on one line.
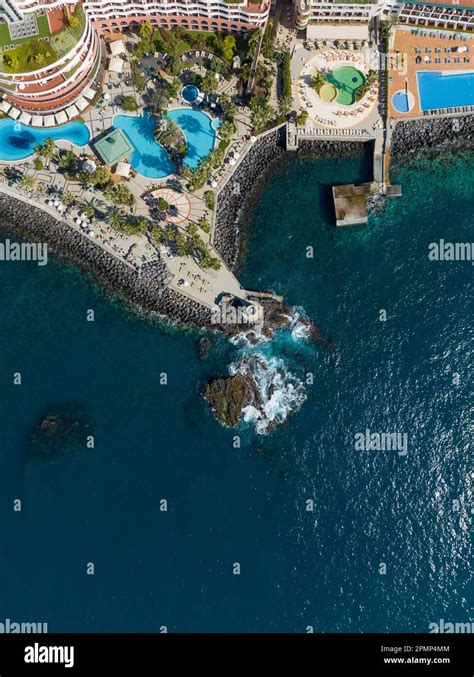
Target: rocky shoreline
[[431, 136], [240, 193], [145, 293]]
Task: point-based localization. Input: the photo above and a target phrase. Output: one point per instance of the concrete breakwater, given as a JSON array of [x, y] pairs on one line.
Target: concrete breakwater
[[330, 148], [145, 291], [242, 189], [432, 136]]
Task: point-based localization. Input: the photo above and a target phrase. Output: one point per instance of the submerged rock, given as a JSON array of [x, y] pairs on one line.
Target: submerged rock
[[205, 345], [63, 429]]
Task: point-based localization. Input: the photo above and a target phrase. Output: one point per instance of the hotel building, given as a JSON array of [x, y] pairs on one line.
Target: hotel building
[[325, 19], [58, 85]]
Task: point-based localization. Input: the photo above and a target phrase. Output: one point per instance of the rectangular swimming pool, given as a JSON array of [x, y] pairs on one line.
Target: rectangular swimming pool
[[440, 89]]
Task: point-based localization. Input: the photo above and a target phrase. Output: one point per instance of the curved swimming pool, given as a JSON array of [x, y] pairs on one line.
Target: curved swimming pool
[[347, 80], [18, 141], [149, 158]]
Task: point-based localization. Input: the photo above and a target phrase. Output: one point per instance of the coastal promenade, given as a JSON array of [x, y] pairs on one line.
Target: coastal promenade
[[135, 251]]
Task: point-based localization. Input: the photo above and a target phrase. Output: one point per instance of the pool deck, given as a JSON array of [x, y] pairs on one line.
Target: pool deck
[[331, 115], [403, 67]]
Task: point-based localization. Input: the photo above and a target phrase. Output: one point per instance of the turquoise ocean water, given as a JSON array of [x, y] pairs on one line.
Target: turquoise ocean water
[[248, 504]]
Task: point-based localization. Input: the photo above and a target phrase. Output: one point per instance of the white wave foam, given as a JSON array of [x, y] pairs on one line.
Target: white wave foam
[[281, 392], [300, 330], [248, 338]]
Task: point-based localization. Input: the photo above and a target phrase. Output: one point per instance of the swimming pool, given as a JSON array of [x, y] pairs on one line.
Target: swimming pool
[[445, 90], [18, 141], [190, 93], [403, 101], [149, 158], [347, 80]]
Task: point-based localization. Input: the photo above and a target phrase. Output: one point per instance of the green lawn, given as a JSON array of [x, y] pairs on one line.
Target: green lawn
[[64, 40], [32, 53], [43, 28], [28, 57]]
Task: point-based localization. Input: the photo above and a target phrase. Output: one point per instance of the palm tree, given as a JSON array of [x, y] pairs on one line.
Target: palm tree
[[146, 32], [115, 218], [226, 130], [170, 135], [68, 198], [159, 102], [245, 71], [200, 41], [46, 150], [28, 182]]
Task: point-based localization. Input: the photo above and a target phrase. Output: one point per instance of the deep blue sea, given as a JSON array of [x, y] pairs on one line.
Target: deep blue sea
[[299, 568]]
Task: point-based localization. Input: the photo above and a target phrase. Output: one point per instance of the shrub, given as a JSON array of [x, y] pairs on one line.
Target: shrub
[[129, 104], [302, 117], [287, 76], [119, 195], [209, 199], [204, 224]]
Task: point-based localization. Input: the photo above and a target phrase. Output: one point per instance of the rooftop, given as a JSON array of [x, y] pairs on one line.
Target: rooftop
[[114, 147], [350, 204]]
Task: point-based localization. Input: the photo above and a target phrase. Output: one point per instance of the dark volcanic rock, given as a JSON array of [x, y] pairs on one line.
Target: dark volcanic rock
[[229, 396], [63, 429], [146, 293], [265, 386], [241, 190], [432, 136]]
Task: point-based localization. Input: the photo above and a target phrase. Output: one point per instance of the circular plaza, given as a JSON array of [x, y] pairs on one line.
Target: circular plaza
[[337, 89]]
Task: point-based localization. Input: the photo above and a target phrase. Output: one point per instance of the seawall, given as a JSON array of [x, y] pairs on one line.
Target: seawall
[[239, 194], [144, 293], [431, 137]]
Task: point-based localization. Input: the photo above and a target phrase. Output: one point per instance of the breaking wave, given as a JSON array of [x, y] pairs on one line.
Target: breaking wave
[[281, 392]]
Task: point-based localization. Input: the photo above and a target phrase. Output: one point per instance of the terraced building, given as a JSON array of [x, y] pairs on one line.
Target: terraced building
[[52, 53]]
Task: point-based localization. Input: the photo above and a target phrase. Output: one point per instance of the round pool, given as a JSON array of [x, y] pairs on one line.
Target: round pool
[[403, 101], [190, 93], [328, 92]]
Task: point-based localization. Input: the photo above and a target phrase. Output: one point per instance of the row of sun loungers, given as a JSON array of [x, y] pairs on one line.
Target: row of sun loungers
[[447, 111], [196, 55]]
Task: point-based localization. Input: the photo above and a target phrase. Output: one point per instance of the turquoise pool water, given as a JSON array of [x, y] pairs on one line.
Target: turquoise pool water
[[400, 102], [438, 90], [149, 158], [18, 141]]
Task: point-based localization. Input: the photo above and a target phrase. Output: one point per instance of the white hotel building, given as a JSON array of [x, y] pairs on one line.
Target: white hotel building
[[55, 87]]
